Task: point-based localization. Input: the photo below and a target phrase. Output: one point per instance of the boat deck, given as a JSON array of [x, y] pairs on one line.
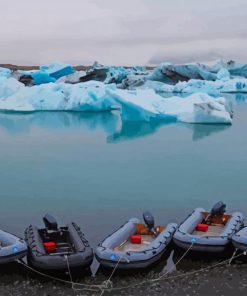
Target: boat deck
[[128, 246], [213, 230]]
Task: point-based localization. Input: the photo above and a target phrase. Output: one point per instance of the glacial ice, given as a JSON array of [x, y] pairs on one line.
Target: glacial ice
[[147, 105], [173, 73], [213, 88], [142, 104], [88, 96], [9, 86], [57, 70], [48, 73], [170, 73], [4, 72]]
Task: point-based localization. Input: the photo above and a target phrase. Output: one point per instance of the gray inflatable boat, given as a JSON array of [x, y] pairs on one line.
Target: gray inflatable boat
[[208, 231], [135, 245], [53, 247], [239, 239], [11, 247]]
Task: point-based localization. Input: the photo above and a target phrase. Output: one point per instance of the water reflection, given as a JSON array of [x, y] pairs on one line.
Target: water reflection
[[235, 97], [201, 131], [15, 123], [110, 122], [136, 129]]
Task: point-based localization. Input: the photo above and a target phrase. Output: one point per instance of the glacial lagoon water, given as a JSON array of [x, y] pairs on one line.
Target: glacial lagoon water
[[98, 171]]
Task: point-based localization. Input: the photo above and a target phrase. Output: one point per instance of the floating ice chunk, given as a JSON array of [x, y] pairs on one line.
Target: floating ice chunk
[[223, 74], [146, 105], [9, 86], [57, 70], [237, 69], [115, 75], [4, 72], [75, 77], [40, 77], [90, 96], [169, 73], [140, 104], [158, 86], [194, 86], [212, 88], [207, 112], [48, 73], [133, 81]]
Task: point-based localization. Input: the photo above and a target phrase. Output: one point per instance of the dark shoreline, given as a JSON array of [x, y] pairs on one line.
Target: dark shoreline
[[78, 67], [193, 277]]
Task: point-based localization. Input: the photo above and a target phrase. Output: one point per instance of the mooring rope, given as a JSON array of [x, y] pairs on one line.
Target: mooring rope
[[87, 286], [107, 282], [179, 275], [104, 287]]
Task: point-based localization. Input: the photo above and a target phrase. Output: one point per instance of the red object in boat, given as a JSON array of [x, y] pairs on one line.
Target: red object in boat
[[136, 239], [202, 227], [50, 246]]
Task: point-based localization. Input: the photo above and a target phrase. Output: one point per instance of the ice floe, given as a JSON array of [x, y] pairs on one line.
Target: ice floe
[[140, 104], [4, 72], [173, 73], [89, 96], [147, 105]]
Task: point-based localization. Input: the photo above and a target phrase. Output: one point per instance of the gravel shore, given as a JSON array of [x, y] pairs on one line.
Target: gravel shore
[[188, 280]]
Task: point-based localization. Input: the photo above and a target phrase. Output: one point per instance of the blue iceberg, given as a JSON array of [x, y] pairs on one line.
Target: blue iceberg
[[171, 74], [135, 105], [4, 72], [57, 70], [48, 73]]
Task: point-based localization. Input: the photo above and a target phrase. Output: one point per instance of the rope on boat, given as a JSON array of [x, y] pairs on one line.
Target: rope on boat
[[107, 286]]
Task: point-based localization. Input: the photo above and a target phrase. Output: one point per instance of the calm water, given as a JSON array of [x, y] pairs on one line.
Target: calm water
[[99, 172]]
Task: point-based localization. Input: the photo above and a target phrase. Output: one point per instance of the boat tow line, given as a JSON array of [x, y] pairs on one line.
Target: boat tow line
[[107, 286]]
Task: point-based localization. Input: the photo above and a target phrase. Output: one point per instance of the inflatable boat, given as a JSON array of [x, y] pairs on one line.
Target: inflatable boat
[[53, 247], [208, 231], [135, 245], [239, 240], [11, 247]]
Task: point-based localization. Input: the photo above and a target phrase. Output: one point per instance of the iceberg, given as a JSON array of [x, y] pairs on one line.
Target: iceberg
[[47, 73], [147, 105], [214, 88], [9, 86], [73, 78], [89, 96], [237, 69], [57, 70], [135, 105], [4, 72], [223, 74], [124, 77], [171, 74]]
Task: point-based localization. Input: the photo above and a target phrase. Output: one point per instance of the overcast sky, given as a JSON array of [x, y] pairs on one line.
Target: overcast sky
[[122, 31]]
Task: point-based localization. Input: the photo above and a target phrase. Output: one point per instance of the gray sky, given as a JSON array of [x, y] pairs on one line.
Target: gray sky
[[122, 31]]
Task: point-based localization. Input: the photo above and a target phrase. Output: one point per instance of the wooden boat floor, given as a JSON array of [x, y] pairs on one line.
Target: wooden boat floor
[[128, 246], [213, 230]]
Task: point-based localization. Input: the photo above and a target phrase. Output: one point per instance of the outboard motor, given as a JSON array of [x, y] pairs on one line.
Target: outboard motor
[[218, 209], [50, 222], [149, 221]]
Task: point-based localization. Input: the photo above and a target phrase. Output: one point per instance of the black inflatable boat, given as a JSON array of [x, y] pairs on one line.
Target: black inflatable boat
[[53, 247]]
